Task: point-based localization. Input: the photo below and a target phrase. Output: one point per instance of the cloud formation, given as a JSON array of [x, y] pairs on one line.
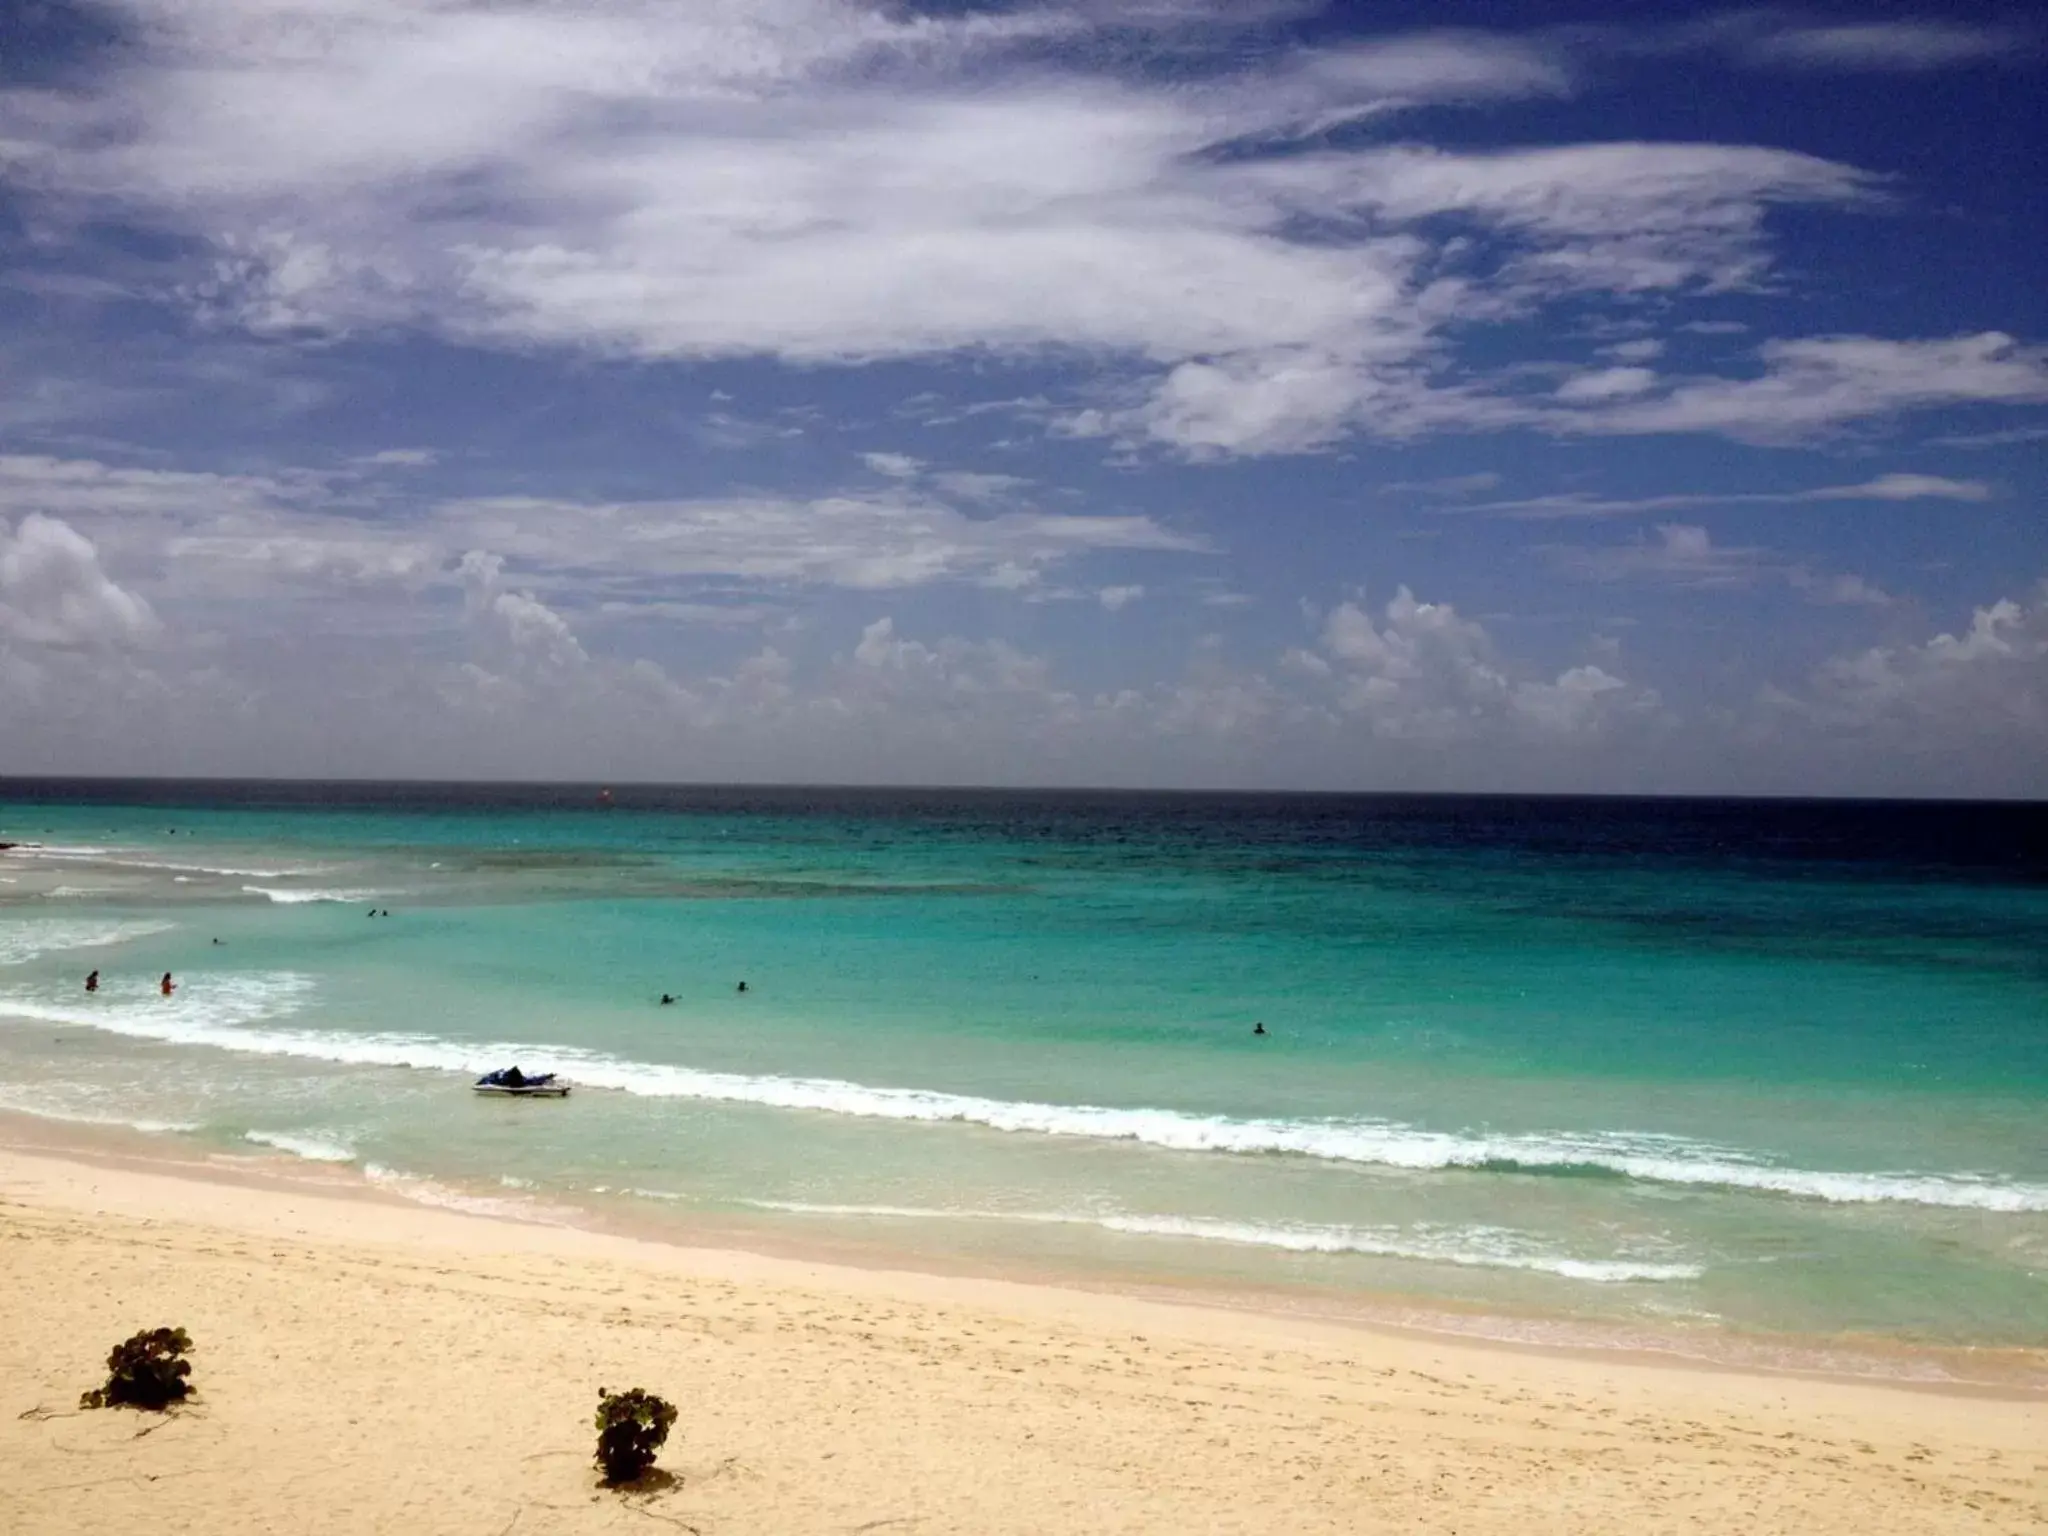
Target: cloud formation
[[825, 182], [833, 388], [1883, 46], [1897, 486], [53, 592]]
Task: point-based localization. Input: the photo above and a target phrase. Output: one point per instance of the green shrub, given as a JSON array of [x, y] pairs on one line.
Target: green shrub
[[631, 1427], [145, 1372]]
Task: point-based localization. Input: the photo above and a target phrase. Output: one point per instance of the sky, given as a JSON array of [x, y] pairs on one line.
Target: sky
[[1179, 393]]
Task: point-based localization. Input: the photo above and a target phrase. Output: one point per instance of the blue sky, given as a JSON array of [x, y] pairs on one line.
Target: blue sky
[[1095, 391]]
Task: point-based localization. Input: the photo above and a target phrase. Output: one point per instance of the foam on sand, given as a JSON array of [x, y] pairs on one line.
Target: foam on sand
[[1475, 1247], [313, 1149]]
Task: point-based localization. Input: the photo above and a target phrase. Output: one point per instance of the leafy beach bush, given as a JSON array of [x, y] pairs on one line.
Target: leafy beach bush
[[631, 1427], [145, 1371]]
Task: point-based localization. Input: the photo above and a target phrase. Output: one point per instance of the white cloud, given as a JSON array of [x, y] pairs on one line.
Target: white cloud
[[896, 466], [1574, 703], [1422, 673], [1625, 217], [1680, 553], [867, 542], [1889, 487], [1643, 349], [1607, 384], [53, 592], [1904, 487], [823, 182], [1428, 67], [1963, 712], [2005, 438], [1686, 556], [1116, 599], [1450, 487], [536, 631], [1841, 590], [1886, 46], [979, 486], [262, 542], [1814, 385]]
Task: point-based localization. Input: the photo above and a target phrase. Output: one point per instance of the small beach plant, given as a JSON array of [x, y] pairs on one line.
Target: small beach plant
[[145, 1371], [631, 1427]]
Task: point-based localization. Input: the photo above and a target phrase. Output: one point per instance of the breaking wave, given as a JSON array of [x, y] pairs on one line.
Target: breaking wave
[[292, 898], [21, 942], [251, 1013], [311, 1148]]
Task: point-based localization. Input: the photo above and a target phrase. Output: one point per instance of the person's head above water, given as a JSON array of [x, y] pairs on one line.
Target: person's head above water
[[666, 999]]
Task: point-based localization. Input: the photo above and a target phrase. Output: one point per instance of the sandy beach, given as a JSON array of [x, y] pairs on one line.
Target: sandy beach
[[368, 1365]]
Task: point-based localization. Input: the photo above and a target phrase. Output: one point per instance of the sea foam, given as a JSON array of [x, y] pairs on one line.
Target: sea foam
[[21, 942], [242, 1014], [313, 1149], [293, 898], [1475, 1247]]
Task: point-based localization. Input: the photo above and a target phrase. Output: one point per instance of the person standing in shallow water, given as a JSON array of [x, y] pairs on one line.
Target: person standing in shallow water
[[167, 986], [92, 982]]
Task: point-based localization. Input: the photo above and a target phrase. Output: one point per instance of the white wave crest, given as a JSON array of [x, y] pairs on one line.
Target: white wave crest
[[1477, 1247], [18, 1104], [1370, 1143], [312, 1148], [423, 1191], [293, 898], [127, 858], [22, 941], [216, 869], [207, 1009]]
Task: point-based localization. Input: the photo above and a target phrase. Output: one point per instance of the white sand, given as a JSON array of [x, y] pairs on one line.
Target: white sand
[[368, 1366]]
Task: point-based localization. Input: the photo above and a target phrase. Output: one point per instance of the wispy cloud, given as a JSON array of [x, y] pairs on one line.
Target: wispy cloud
[[2007, 437], [1811, 386], [825, 183], [216, 535], [1883, 46], [1885, 488], [1684, 555]]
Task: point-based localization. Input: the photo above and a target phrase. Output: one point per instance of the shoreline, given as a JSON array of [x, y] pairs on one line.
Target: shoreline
[[363, 1363], [2000, 1374]]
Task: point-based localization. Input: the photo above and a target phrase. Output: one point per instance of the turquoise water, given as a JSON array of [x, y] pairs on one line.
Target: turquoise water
[[1755, 1071]]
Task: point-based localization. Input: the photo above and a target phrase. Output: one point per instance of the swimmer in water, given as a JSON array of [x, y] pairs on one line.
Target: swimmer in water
[[666, 1000], [92, 982], [167, 986], [1258, 1029], [742, 986]]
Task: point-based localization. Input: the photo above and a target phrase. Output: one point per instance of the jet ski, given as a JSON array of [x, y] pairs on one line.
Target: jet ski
[[511, 1083]]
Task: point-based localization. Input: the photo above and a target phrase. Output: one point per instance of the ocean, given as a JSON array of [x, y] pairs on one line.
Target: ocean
[[1757, 1080]]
